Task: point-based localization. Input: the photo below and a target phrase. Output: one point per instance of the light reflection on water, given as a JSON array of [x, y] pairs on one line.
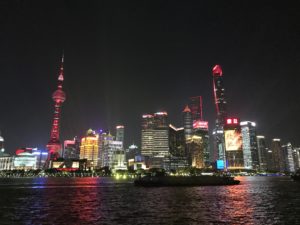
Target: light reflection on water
[[257, 200]]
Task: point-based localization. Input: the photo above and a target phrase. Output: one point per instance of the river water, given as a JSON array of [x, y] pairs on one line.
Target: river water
[[257, 200]]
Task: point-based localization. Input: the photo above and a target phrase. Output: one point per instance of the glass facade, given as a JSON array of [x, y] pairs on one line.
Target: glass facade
[[250, 151]]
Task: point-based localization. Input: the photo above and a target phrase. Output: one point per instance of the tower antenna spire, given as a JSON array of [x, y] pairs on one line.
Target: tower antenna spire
[[61, 70]]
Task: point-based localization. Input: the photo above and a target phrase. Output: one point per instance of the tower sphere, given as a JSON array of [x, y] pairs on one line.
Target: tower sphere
[[59, 96]]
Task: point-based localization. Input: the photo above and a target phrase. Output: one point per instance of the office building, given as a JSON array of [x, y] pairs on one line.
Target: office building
[[288, 158], [250, 152], [177, 146], [278, 156], [233, 144], [187, 123], [155, 139], [89, 149], [71, 149], [25, 161], [120, 132], [196, 108], [6, 161], [262, 152]]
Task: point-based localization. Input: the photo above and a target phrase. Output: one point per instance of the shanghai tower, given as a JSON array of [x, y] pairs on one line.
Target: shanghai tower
[[220, 102], [59, 96]]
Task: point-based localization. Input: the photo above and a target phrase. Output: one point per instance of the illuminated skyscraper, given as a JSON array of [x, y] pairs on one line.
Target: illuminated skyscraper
[[161, 135], [155, 138], [120, 133], [278, 156], [89, 149], [296, 157], [59, 96], [147, 135], [220, 102], [196, 107], [201, 142], [219, 93], [262, 152], [288, 157], [233, 144], [250, 151], [187, 123], [177, 145], [105, 154]]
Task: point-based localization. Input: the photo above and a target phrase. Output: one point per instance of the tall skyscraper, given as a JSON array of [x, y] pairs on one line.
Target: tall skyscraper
[[199, 130], [201, 136], [270, 160], [288, 158], [219, 93], [262, 152], [250, 151], [89, 149], [220, 102], [59, 96], [161, 134], [104, 147], [296, 157], [120, 133], [278, 156], [196, 107], [155, 139], [187, 123], [177, 145], [233, 144], [147, 135]]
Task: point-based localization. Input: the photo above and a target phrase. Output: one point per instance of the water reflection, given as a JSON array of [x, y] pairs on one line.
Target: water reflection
[[258, 200]]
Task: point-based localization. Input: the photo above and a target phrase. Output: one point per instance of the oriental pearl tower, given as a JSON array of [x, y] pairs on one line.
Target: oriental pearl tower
[[59, 96]]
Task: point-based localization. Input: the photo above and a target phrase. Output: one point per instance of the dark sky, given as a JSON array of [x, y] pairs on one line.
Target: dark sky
[[126, 58]]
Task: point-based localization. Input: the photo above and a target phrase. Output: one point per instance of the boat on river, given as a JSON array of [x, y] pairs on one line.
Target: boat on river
[[296, 176], [203, 180]]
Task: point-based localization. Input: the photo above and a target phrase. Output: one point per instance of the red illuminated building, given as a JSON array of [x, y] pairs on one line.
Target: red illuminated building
[[219, 94], [54, 146]]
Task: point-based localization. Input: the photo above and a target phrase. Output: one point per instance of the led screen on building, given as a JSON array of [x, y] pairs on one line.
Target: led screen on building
[[233, 140], [220, 164]]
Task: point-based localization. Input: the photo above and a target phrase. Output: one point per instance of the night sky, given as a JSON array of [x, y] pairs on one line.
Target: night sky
[[126, 58]]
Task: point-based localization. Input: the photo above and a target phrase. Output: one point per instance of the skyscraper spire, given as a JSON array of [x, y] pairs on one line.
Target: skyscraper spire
[[61, 72]]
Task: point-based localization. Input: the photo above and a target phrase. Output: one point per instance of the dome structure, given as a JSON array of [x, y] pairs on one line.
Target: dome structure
[[59, 96]]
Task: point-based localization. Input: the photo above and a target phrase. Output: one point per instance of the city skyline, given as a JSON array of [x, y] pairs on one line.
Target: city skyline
[[111, 87]]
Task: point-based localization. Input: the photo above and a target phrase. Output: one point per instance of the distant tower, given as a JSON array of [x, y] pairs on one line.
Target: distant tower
[[187, 123], [1, 143], [196, 107], [219, 95], [59, 96], [120, 133]]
